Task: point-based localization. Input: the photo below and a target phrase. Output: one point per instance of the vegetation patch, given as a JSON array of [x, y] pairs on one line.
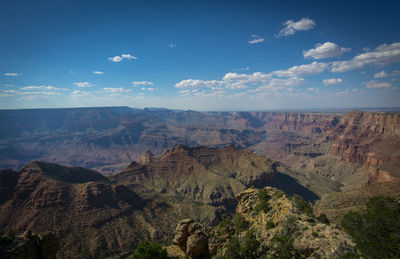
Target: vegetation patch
[[149, 250], [240, 223], [263, 199], [301, 204], [376, 229]]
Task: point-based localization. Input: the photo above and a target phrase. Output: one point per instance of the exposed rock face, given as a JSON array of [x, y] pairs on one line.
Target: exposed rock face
[[310, 238], [44, 245], [200, 174], [81, 207], [146, 157], [191, 238]]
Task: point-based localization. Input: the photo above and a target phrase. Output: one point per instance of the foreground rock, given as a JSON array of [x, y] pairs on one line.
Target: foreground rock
[[280, 224]]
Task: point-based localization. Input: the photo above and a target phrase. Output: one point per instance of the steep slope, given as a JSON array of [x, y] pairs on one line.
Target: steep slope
[[280, 230], [206, 175], [92, 217]]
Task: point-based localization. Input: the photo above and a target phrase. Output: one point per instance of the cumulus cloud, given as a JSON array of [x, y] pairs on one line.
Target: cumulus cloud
[[98, 72], [380, 74], [326, 50], [116, 90], [384, 54], [83, 84], [135, 83], [12, 74], [332, 81], [256, 82], [122, 57], [255, 39], [377, 85], [303, 70], [291, 27], [196, 83]]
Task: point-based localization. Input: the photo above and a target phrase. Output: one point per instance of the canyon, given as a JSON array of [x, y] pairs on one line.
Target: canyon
[[105, 179]]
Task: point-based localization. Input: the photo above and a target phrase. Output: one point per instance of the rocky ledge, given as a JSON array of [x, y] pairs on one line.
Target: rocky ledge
[[274, 221]]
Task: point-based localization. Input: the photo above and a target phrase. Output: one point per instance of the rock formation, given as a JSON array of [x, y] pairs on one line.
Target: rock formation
[[308, 237]]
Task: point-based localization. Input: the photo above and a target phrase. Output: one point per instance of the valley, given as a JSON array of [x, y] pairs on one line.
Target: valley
[[149, 169]]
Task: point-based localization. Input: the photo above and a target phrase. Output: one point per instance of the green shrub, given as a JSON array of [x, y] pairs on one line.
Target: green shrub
[[279, 194], [282, 246], [250, 245], [225, 222], [263, 199], [240, 223], [301, 204], [323, 219], [376, 229], [148, 250], [270, 225], [233, 249]]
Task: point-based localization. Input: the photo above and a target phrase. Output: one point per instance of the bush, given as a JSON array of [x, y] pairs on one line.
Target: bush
[[225, 222], [240, 223], [270, 225], [250, 245], [148, 250], [301, 204], [248, 248], [323, 219], [282, 246], [263, 199], [279, 194], [376, 229], [233, 249]]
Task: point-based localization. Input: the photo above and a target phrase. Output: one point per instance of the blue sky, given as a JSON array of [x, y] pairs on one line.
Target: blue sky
[[200, 55]]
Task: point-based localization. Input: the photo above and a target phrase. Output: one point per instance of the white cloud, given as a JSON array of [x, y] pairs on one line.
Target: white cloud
[[332, 81], [37, 93], [150, 89], [42, 87], [8, 85], [326, 50], [380, 74], [384, 54], [83, 84], [303, 70], [79, 93], [255, 39], [346, 91], [122, 57], [172, 45], [98, 72], [396, 73], [195, 83], [377, 85], [116, 90], [291, 27], [135, 83], [12, 74]]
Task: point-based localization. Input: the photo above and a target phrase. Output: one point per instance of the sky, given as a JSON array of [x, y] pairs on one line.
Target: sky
[[199, 55]]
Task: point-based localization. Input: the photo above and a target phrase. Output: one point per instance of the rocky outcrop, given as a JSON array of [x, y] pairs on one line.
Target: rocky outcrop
[[282, 218], [44, 245], [191, 238]]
